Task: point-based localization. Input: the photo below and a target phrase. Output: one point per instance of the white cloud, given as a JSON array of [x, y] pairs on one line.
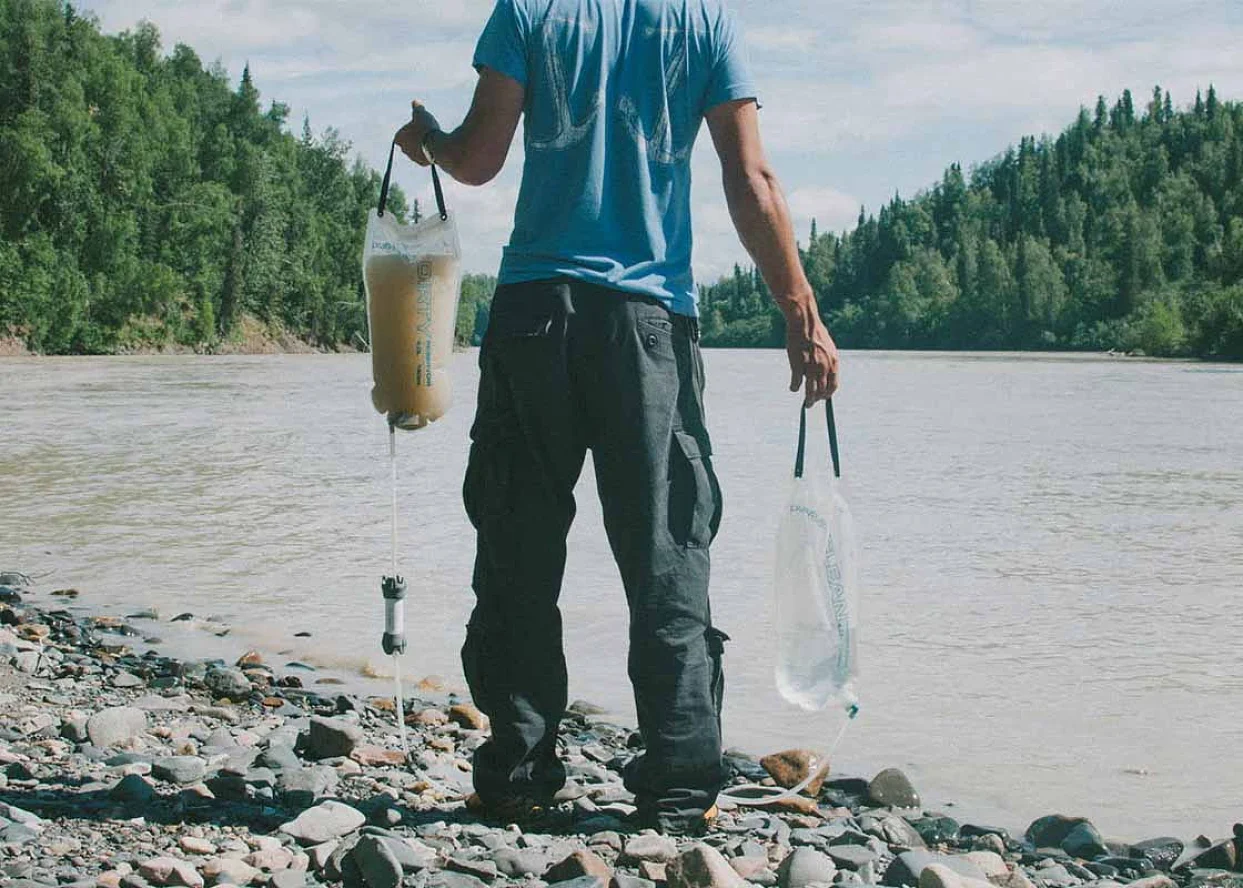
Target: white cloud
[[832, 209]]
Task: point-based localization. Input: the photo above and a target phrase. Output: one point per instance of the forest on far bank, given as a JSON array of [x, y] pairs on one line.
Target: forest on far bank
[[148, 202]]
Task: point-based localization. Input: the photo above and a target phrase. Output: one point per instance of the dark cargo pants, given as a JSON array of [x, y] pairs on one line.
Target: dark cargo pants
[[566, 367]]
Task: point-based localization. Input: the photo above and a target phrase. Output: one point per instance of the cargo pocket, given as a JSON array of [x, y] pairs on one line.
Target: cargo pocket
[[716, 651], [487, 490], [692, 494]]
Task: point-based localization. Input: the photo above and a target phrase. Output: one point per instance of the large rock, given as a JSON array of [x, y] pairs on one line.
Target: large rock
[[907, 867], [805, 867], [1052, 830], [702, 867], [377, 863], [180, 769], [891, 788], [330, 820], [332, 738], [792, 767], [112, 727], [227, 682], [1084, 842]]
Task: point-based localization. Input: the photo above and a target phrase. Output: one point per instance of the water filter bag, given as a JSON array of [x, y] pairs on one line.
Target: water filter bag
[[816, 584], [412, 276]]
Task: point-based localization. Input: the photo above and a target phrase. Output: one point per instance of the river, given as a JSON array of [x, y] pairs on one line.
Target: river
[[1051, 551]]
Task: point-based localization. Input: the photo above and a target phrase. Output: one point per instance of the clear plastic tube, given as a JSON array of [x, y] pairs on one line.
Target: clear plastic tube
[[760, 796]]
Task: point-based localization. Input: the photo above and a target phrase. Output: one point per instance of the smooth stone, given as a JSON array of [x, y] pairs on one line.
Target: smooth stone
[[1050, 831], [752, 868], [651, 846], [892, 788], [896, 832], [517, 864], [1163, 852], [326, 821], [579, 863], [937, 830], [1084, 842], [111, 727], [907, 867], [332, 738], [180, 769], [228, 682], [792, 767], [992, 865], [377, 863], [989, 842], [851, 857], [127, 680], [279, 757], [168, 871], [805, 867], [937, 875], [702, 866]]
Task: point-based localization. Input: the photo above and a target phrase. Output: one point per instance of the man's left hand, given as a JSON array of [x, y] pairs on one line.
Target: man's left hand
[[410, 137]]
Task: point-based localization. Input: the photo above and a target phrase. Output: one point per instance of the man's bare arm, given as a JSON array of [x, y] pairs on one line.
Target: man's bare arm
[[762, 219], [475, 152]]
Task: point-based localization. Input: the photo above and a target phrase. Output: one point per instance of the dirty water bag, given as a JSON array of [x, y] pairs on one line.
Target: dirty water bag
[[412, 277], [815, 588]]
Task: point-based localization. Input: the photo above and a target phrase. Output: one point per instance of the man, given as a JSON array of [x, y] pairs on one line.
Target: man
[[593, 344]]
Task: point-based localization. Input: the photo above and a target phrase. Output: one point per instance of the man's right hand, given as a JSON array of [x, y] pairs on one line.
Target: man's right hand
[[813, 355]]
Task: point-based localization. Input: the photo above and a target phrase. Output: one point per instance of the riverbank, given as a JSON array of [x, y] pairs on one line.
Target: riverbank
[[126, 770]]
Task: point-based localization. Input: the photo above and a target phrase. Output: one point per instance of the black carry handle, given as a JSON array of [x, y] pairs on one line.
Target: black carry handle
[[388, 179], [802, 441]]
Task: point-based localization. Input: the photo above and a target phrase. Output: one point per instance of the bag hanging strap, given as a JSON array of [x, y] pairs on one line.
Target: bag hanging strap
[[799, 460], [388, 180]]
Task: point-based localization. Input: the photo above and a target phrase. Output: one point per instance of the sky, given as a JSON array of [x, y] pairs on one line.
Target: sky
[[861, 100]]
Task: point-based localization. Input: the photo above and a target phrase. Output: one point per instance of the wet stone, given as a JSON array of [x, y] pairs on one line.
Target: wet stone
[[937, 830], [892, 788], [1084, 841], [228, 683], [1162, 852]]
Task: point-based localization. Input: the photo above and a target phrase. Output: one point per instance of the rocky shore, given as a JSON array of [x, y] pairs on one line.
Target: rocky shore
[[123, 769]]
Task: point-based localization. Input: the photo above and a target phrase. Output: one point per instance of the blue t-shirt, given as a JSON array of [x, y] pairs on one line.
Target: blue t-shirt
[[616, 92]]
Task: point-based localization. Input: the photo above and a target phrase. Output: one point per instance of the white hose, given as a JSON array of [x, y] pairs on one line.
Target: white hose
[[761, 796], [392, 611], [401, 705]]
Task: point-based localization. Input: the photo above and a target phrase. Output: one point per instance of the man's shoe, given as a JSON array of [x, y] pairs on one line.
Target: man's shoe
[[682, 827], [511, 809]]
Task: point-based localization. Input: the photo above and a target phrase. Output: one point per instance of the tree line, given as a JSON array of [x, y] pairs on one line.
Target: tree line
[[146, 201], [1124, 233]]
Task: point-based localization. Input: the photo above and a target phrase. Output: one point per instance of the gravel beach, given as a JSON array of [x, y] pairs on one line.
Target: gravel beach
[[122, 766]]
